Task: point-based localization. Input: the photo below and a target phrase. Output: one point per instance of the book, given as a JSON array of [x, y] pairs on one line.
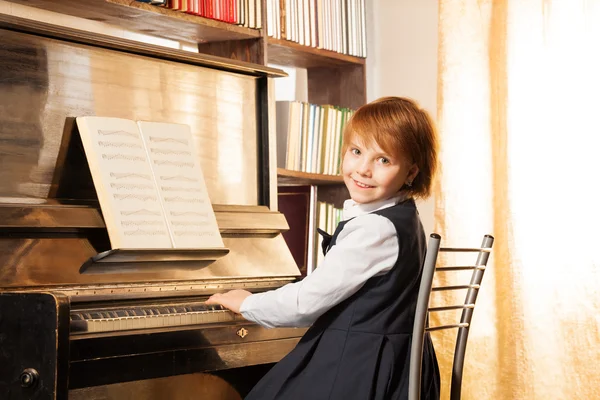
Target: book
[[149, 183]]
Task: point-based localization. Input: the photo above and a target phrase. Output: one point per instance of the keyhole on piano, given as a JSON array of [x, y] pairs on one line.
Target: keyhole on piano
[[29, 377], [242, 332]]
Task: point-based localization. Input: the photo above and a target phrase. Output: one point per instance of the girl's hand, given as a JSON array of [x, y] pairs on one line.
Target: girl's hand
[[231, 300]]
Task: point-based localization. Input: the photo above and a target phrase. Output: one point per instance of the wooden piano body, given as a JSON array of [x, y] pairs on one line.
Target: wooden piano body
[[130, 325]]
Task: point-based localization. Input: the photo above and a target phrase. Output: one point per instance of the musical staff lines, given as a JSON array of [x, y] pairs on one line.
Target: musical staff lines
[[145, 232], [189, 223], [195, 233], [132, 186], [156, 139], [140, 212], [126, 145], [118, 132], [179, 164], [135, 196], [179, 189], [178, 178], [179, 199], [170, 152], [123, 157], [187, 213], [142, 223], [124, 175]]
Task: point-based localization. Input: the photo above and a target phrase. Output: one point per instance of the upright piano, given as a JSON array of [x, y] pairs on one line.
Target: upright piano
[[80, 320]]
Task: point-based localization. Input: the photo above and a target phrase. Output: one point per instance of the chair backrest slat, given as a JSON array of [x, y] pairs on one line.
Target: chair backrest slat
[[459, 268], [457, 287], [443, 327], [422, 311], [447, 308]]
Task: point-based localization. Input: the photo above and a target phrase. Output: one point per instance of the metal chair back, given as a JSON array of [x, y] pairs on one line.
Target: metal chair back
[[423, 310]]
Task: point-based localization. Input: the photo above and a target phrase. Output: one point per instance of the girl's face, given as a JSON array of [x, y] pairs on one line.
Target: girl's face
[[371, 174]]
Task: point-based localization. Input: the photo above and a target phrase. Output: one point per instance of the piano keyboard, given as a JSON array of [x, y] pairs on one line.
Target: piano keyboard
[[145, 317]]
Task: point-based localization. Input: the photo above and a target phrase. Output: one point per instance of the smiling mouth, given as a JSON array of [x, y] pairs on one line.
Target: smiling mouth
[[362, 185]]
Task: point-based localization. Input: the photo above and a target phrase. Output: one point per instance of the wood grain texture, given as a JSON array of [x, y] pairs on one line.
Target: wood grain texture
[[248, 50], [343, 86], [284, 52], [288, 177]]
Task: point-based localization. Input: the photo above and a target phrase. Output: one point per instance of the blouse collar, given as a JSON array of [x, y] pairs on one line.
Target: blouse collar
[[353, 209]]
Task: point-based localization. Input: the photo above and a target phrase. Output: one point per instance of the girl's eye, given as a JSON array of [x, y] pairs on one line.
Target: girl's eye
[[384, 160], [356, 152]]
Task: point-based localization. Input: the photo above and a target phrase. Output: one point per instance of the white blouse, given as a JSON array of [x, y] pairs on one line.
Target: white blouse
[[366, 246]]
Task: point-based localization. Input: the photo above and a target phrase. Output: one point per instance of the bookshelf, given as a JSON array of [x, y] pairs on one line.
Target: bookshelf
[[147, 19], [333, 78], [288, 177]]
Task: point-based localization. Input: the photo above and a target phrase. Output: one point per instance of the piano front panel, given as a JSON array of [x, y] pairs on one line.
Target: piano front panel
[[45, 81], [110, 359], [128, 342], [199, 386]]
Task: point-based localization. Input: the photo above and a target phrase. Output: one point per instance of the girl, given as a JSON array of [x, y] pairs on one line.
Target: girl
[[360, 302]]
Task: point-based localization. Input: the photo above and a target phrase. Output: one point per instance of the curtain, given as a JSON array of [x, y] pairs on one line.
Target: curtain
[[518, 110]]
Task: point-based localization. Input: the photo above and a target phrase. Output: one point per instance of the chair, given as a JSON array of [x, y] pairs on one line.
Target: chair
[[423, 309]]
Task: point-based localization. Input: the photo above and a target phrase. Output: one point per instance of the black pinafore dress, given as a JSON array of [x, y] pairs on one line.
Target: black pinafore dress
[[360, 348]]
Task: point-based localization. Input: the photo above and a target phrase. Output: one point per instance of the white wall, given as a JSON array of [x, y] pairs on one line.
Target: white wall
[[402, 60]]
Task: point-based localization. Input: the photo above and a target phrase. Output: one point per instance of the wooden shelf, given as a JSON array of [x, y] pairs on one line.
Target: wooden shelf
[[287, 177], [147, 19], [284, 52]]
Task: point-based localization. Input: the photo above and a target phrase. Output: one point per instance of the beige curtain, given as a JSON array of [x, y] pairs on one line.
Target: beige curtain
[[519, 110]]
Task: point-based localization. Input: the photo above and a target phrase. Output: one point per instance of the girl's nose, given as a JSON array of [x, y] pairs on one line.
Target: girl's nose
[[364, 168]]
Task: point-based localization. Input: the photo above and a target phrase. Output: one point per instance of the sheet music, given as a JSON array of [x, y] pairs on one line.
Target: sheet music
[[124, 183], [181, 185]]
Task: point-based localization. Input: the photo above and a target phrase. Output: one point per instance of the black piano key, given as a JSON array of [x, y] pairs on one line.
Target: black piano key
[[138, 312]]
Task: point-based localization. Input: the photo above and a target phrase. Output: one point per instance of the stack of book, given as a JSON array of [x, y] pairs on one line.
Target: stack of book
[[337, 25], [309, 136], [246, 13]]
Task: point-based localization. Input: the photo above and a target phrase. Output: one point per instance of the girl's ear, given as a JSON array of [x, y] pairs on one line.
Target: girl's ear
[[412, 173]]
